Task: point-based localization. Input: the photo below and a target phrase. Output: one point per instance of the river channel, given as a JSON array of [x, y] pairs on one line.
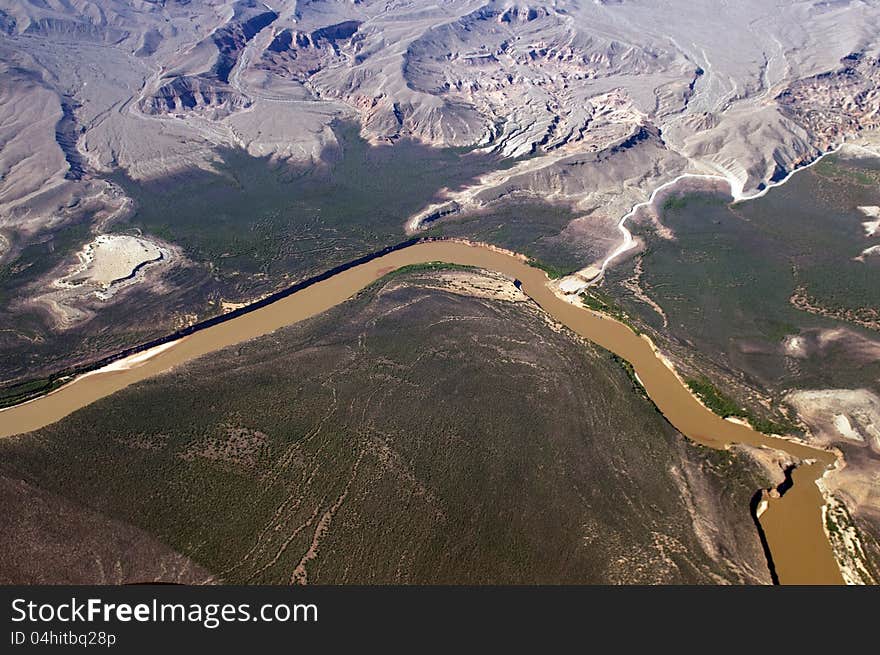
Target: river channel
[[792, 524]]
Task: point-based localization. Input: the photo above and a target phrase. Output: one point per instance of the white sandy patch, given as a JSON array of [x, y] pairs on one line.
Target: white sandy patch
[[835, 414], [830, 336], [845, 428], [577, 282], [762, 507], [484, 284], [110, 258], [853, 342], [132, 361], [845, 539], [873, 226], [795, 346], [868, 252]]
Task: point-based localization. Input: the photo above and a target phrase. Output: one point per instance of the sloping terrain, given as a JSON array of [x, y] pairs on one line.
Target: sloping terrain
[[437, 428], [771, 300], [253, 144], [590, 105], [47, 539]]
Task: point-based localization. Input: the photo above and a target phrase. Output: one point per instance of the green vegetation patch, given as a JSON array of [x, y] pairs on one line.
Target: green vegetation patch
[[603, 303], [554, 272], [529, 227], [427, 267], [834, 167], [23, 391], [634, 379], [679, 201], [675, 202], [725, 407]]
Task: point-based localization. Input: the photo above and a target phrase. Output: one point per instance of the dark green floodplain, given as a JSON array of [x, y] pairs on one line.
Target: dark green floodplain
[[251, 228], [767, 296], [727, 279]]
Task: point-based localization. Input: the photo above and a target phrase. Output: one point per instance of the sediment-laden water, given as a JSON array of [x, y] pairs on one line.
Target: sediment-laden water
[[792, 524]]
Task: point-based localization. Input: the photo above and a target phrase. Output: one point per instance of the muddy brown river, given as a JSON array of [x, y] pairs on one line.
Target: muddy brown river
[[792, 524]]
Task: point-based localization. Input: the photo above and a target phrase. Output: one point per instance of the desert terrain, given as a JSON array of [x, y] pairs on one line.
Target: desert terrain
[[590, 104], [706, 173], [531, 459]]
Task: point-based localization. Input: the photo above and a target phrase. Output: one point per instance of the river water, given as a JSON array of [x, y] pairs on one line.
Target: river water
[[792, 524]]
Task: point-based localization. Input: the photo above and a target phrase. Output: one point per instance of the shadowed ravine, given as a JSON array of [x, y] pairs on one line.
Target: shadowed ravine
[[792, 524]]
